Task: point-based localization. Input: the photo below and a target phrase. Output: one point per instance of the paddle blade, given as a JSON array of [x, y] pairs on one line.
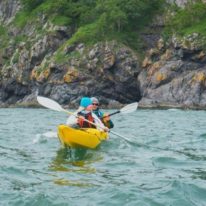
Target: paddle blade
[[49, 103], [129, 108]]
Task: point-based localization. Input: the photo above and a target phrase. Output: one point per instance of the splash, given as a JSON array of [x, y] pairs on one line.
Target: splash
[[43, 137]]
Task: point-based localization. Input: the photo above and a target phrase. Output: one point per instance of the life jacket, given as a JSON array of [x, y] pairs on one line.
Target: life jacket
[[107, 123], [88, 116]]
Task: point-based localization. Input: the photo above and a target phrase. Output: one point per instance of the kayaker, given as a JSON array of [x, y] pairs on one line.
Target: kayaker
[[72, 121], [88, 114], [103, 116], [85, 112]]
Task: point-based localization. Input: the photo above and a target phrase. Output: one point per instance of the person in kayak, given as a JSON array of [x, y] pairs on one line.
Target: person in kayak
[[85, 112], [72, 119], [105, 118], [88, 114]]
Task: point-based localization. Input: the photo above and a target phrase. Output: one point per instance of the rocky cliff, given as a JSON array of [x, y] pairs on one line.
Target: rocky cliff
[[171, 74], [8, 10], [174, 75]]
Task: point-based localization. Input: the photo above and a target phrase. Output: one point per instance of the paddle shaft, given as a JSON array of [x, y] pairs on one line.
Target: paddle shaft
[[126, 109], [126, 139], [123, 137], [51, 104], [114, 113], [86, 120], [111, 114]]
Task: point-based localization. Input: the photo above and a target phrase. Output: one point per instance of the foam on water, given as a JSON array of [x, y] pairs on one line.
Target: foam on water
[[42, 137], [50, 134]]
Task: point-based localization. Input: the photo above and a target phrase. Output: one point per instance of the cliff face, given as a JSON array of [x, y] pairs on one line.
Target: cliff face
[[8, 10], [172, 73]]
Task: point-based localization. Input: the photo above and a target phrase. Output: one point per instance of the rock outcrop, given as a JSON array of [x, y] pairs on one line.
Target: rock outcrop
[[8, 10], [174, 75]]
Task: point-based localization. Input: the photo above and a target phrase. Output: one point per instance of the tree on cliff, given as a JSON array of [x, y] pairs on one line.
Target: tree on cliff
[[107, 17]]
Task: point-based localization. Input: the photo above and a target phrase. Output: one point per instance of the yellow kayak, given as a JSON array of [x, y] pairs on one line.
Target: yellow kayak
[[77, 138]]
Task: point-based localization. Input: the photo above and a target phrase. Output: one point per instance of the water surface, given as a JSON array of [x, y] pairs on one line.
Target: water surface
[[164, 162]]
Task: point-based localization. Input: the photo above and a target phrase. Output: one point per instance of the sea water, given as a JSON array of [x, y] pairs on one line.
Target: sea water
[[162, 164]]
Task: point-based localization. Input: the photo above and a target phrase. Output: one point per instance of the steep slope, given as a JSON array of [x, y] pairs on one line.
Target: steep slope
[[57, 59]]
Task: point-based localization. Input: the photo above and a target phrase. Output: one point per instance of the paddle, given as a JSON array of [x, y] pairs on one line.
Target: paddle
[[126, 109], [51, 104]]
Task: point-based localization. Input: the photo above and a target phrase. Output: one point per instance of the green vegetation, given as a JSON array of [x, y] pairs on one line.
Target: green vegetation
[[2, 31], [98, 20], [3, 37], [61, 20], [184, 21], [60, 57], [21, 19], [94, 20], [15, 57], [20, 38]]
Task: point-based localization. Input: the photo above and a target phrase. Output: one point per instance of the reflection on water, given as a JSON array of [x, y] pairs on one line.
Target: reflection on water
[[66, 154], [77, 183], [67, 158], [74, 161]]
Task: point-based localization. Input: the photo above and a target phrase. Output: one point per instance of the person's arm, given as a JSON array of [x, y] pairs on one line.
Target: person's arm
[[72, 120], [107, 121]]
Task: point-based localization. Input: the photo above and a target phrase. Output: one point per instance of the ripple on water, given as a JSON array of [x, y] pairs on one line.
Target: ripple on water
[[175, 162], [162, 164], [185, 194], [203, 136]]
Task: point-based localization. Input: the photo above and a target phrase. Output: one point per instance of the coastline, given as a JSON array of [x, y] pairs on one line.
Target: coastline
[[141, 106]]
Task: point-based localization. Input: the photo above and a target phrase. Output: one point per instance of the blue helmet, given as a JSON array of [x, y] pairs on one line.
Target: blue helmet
[[85, 102]]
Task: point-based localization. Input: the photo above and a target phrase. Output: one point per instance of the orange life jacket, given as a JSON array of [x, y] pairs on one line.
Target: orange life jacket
[[85, 115]]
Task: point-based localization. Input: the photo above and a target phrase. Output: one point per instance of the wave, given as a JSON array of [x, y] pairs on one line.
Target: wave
[[42, 137]]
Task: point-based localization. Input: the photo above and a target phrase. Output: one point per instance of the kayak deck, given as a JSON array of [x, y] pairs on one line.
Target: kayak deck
[[78, 138]]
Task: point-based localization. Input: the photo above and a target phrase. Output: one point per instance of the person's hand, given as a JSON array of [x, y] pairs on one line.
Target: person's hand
[[106, 129], [106, 117], [80, 119]]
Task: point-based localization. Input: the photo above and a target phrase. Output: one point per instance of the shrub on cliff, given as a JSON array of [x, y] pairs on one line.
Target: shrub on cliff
[[97, 19], [191, 18]]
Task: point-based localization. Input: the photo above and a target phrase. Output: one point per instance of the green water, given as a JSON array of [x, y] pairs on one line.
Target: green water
[[164, 164]]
